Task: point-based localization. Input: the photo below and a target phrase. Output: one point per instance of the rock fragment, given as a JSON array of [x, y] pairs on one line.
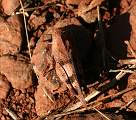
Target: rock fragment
[[133, 25], [10, 35], [17, 70], [4, 86], [9, 6]]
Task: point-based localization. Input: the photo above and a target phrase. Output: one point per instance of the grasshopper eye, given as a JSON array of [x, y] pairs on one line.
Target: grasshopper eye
[[56, 96], [49, 40]]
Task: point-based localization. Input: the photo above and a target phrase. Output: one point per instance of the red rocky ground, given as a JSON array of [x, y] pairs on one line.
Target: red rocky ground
[[72, 53]]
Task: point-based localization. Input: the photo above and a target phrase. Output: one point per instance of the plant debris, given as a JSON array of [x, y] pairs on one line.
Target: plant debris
[[67, 59]]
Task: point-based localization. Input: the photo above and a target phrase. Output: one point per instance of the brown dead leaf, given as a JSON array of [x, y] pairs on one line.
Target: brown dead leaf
[[87, 9]]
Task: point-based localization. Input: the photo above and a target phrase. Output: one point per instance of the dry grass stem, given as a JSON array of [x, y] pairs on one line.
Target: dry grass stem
[[79, 104], [96, 92], [58, 116], [98, 11], [127, 71], [112, 96], [27, 38], [101, 113], [46, 93], [130, 102], [93, 84], [94, 104], [126, 105]]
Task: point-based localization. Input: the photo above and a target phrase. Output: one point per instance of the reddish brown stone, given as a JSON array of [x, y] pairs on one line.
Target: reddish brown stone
[[17, 71], [4, 86]]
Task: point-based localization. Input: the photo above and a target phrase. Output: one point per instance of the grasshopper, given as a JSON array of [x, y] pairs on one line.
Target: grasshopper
[[64, 65]]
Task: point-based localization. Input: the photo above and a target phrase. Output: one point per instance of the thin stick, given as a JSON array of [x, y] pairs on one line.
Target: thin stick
[[26, 29], [97, 92], [96, 102], [101, 113], [126, 105], [93, 84], [127, 71], [112, 96], [46, 93], [75, 111], [81, 110]]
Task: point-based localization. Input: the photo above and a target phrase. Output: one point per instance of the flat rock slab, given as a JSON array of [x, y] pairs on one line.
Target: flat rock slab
[[17, 70]]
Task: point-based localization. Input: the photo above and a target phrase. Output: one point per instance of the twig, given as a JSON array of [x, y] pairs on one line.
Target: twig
[[93, 84], [58, 116], [126, 105], [97, 92], [96, 102], [79, 104], [25, 7], [13, 115], [127, 71], [112, 96], [46, 93], [101, 113], [26, 29]]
